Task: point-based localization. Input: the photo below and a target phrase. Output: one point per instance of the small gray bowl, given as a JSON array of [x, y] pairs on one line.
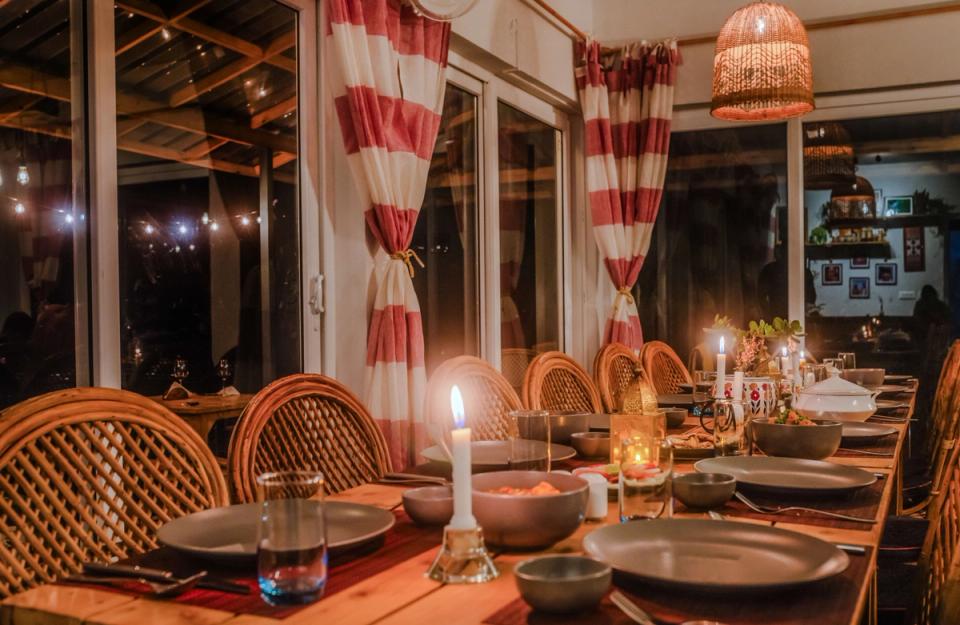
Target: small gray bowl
[[704, 491], [812, 442], [429, 505], [675, 416], [562, 583], [591, 444]]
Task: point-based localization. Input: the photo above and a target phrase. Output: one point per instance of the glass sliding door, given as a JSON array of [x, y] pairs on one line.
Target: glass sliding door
[[446, 236], [40, 221], [207, 104], [530, 261]]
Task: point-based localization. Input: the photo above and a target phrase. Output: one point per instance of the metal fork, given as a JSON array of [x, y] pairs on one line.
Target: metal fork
[[772, 510], [867, 452]]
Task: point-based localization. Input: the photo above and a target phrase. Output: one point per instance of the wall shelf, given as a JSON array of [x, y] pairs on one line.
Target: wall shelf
[[831, 251], [900, 221]]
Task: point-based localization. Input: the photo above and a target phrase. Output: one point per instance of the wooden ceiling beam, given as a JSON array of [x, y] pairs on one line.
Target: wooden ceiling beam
[[230, 71], [213, 35], [273, 112], [145, 30], [28, 80]]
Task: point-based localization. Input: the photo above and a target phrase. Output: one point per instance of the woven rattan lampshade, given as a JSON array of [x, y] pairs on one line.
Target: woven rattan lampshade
[[761, 68], [827, 156], [854, 199]]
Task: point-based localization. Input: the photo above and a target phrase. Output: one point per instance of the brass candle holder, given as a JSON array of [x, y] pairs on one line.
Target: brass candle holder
[[463, 558]]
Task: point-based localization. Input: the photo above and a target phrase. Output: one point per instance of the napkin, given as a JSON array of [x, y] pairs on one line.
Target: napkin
[[177, 391], [228, 391]]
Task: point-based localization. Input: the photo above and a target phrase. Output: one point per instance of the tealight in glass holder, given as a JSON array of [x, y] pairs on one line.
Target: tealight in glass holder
[[463, 558]]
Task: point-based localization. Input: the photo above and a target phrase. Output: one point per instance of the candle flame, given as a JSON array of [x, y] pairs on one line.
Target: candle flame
[[721, 345], [456, 406], [784, 350]]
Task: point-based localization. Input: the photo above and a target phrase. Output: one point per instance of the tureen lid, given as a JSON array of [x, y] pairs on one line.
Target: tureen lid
[[835, 385]]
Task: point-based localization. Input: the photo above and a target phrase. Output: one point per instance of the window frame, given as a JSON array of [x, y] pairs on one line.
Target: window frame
[[101, 356]]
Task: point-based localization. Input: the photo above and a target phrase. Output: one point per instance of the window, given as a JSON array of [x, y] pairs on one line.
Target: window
[[208, 197], [880, 202], [529, 235], [720, 244], [446, 236], [39, 224]]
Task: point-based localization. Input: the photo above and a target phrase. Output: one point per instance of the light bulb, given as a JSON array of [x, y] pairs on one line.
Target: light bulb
[[19, 208], [760, 25], [182, 229], [214, 226], [165, 33], [245, 221], [148, 229], [205, 219], [68, 218], [258, 219], [23, 176]]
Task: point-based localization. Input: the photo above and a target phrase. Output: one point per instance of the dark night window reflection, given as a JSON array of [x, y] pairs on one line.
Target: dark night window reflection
[[208, 201], [37, 218], [720, 242]]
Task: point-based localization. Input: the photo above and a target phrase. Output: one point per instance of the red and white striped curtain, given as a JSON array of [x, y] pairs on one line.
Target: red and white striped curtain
[[388, 86], [627, 102]]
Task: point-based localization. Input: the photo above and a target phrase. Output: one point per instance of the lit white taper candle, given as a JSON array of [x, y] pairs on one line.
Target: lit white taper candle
[[784, 362], [721, 370], [463, 518]]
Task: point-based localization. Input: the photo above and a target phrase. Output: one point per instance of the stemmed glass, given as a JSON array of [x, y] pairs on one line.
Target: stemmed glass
[[180, 370], [224, 371]]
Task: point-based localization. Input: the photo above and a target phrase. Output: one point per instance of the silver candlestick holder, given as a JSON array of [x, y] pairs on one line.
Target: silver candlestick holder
[[463, 558]]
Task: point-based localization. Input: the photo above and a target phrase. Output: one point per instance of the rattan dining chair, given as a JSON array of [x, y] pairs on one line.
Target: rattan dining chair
[[555, 381], [90, 474], [664, 367], [942, 435], [941, 549], [306, 421], [614, 368], [514, 362], [488, 398]]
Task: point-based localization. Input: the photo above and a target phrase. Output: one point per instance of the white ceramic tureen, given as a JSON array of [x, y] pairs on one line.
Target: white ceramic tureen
[[836, 399]]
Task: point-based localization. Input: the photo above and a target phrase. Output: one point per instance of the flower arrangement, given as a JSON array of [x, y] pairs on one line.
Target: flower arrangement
[[750, 350]]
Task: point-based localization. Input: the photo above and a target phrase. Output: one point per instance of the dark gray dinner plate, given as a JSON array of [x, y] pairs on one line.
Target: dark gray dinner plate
[[896, 378], [789, 475], [862, 433], [495, 455], [891, 389], [230, 532], [715, 555]]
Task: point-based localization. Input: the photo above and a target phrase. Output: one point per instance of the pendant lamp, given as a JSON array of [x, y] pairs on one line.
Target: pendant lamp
[[761, 67], [828, 159]]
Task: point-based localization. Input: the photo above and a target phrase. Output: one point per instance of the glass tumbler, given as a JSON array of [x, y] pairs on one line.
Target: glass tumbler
[[646, 472], [292, 539], [848, 360], [529, 434], [730, 428]]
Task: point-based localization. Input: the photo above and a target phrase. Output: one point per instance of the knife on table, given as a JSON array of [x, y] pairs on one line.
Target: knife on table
[[159, 575]]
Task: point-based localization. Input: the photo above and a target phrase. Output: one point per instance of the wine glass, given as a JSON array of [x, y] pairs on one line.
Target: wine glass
[[224, 371], [180, 370]]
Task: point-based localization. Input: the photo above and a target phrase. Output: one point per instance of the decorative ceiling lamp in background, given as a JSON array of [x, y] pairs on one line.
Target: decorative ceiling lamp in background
[[761, 67], [828, 158], [853, 199]]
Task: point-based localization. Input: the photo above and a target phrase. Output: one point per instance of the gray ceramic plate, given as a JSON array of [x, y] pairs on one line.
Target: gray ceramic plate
[[495, 455], [896, 379], [863, 433], [891, 389], [717, 555], [886, 405], [230, 532], [789, 475]]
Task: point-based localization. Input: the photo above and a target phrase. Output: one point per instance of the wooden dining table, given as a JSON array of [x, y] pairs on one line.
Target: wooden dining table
[[388, 586]]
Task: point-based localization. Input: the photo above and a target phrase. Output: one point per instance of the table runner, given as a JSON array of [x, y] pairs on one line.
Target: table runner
[[832, 600], [404, 541]]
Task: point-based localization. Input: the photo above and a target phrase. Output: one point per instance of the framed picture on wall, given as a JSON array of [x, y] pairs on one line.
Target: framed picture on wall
[[859, 262], [898, 205], [859, 287], [886, 274], [832, 274]]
